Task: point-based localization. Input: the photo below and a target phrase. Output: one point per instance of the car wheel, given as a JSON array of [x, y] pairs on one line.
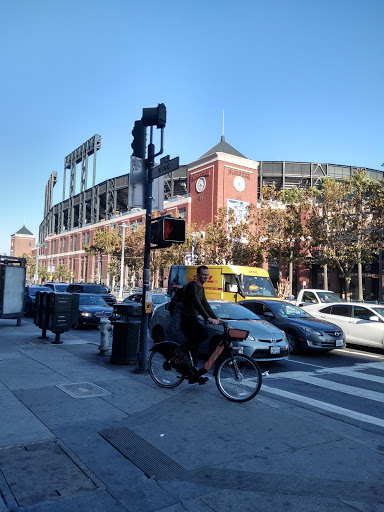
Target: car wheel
[[158, 334], [293, 343]]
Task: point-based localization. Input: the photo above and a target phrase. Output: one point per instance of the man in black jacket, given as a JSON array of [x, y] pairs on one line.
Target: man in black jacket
[[195, 304]]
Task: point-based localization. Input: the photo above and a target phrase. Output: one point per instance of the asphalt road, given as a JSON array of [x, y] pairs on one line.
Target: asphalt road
[[345, 383]]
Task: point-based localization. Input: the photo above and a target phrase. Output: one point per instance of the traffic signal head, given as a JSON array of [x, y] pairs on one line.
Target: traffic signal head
[[166, 231], [139, 139], [156, 116]]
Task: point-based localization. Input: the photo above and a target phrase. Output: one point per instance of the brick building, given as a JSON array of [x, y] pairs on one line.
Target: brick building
[[222, 177], [22, 242]]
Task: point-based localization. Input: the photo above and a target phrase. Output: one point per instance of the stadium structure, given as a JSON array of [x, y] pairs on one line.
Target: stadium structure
[[220, 177]]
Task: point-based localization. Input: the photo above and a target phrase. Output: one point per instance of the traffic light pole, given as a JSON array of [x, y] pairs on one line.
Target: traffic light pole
[[151, 117], [149, 163]]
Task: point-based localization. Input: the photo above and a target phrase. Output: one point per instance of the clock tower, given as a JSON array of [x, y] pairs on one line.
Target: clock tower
[[221, 177]]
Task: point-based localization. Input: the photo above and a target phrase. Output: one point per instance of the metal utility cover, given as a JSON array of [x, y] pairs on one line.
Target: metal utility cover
[[42, 472], [152, 461], [83, 390]]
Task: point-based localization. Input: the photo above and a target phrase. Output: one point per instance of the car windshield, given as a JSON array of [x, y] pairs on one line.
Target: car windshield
[[61, 287], [32, 291], [285, 310], [379, 310], [95, 288], [159, 299], [91, 300], [258, 286], [328, 297], [232, 311]]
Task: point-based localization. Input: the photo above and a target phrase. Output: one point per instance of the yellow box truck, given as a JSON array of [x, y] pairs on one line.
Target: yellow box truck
[[230, 282]]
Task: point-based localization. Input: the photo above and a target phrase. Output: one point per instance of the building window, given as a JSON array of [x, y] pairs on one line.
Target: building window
[[83, 241], [71, 244], [182, 213], [88, 238], [61, 245], [64, 244], [74, 242]]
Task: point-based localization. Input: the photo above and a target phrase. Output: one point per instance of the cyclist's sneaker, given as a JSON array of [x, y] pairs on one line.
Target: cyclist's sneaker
[[198, 379], [184, 358]]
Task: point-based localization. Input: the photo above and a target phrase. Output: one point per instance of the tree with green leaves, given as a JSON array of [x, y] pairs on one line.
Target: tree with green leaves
[[287, 237], [62, 273], [30, 263], [341, 224], [107, 242], [221, 237]]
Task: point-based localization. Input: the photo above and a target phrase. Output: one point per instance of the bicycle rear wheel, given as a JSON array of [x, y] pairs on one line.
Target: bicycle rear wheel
[[238, 378], [162, 372]]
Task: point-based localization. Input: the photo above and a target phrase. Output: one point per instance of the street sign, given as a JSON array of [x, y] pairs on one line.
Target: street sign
[[165, 168]]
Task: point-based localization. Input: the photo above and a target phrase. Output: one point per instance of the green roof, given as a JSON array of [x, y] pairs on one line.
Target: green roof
[[23, 231], [223, 147]]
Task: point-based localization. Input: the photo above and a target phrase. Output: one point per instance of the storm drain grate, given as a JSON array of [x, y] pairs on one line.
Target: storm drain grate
[[83, 390], [42, 472], [153, 462]]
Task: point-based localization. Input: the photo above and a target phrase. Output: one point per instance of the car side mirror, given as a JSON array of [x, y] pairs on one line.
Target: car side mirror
[[268, 314], [374, 318]]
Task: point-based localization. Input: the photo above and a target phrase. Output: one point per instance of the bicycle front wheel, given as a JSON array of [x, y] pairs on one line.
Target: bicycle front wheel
[[238, 378], [162, 372]]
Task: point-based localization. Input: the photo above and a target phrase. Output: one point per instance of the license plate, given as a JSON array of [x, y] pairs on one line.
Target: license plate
[[274, 350], [339, 343]]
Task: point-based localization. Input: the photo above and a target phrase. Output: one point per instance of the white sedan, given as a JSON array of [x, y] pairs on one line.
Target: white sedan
[[363, 324]]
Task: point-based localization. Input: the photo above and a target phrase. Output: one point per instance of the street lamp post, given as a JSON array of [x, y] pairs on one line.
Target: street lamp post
[[123, 226], [37, 263]]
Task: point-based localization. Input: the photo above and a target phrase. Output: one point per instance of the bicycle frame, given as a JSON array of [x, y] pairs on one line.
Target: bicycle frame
[[167, 348], [228, 335]]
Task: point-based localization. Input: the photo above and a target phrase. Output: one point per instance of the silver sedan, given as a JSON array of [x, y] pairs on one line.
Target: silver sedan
[[264, 343]]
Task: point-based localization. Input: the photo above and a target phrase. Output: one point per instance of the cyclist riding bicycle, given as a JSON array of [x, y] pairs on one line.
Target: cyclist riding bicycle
[[195, 304]]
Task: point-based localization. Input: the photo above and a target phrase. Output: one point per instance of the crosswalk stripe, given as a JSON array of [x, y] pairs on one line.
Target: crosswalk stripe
[[343, 388], [324, 406], [353, 372]]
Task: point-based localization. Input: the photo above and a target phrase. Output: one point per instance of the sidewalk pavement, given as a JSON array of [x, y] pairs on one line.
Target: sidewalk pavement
[[81, 434]]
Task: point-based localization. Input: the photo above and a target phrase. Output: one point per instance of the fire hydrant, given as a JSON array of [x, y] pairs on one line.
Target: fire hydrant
[[105, 330]]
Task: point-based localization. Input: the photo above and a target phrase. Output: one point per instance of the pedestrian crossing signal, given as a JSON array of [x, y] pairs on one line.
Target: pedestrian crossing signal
[[166, 231]]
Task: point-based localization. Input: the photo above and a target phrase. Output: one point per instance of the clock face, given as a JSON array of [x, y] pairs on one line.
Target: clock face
[[239, 183], [200, 184]]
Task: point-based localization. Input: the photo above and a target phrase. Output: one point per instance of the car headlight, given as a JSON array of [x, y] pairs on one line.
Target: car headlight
[[250, 337], [311, 331], [85, 314]]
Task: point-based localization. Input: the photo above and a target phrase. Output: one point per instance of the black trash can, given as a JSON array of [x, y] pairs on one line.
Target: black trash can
[[126, 334]]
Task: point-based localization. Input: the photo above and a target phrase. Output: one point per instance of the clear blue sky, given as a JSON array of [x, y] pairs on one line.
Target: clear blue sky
[[298, 79]]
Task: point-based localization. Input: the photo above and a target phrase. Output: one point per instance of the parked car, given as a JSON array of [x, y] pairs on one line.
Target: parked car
[[363, 324], [91, 308], [99, 289], [307, 297], [303, 330], [265, 341], [57, 287], [30, 298], [157, 299]]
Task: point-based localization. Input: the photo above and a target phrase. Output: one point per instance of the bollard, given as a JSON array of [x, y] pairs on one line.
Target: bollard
[[105, 330]]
